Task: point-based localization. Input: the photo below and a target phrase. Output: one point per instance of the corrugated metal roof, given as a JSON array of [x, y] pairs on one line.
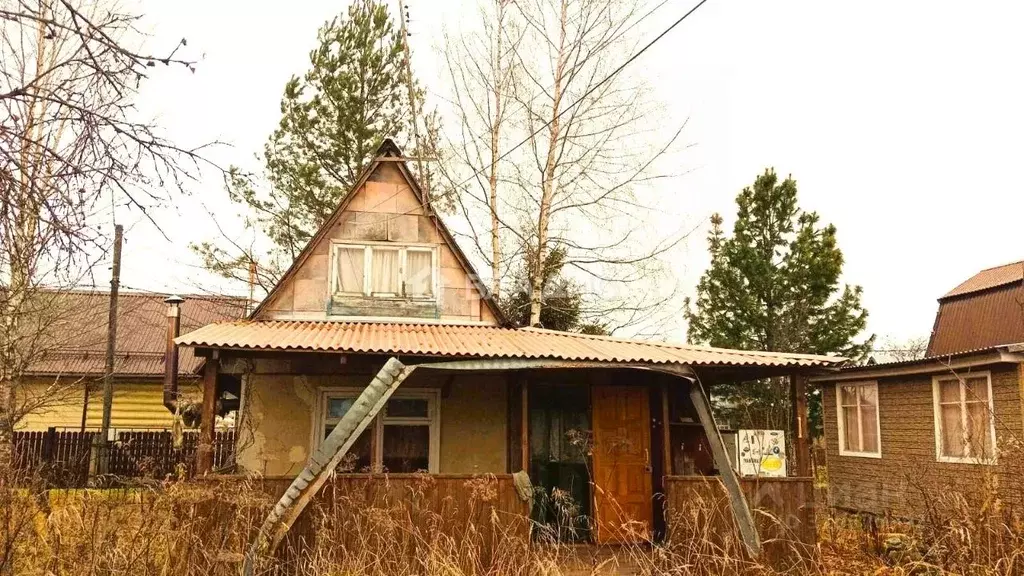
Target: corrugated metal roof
[[80, 336], [980, 320], [990, 278], [473, 341]]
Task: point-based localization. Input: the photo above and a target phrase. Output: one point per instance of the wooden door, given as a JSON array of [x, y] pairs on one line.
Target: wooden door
[[623, 508]]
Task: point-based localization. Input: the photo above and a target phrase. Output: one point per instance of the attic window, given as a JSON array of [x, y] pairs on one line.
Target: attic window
[[384, 271]]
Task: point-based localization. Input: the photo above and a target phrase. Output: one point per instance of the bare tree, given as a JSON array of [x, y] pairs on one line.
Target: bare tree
[[71, 151], [894, 350], [596, 137], [483, 67]]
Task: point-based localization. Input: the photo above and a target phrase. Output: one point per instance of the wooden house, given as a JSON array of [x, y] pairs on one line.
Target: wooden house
[[63, 384], [900, 434], [603, 419]]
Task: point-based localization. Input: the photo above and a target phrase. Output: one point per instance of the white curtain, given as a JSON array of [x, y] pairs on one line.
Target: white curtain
[[419, 277], [384, 272], [350, 270]]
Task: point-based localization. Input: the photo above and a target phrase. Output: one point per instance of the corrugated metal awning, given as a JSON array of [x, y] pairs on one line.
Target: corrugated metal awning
[[474, 341]]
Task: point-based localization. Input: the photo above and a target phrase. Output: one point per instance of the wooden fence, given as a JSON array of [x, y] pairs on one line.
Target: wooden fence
[[783, 508], [63, 457], [404, 514]]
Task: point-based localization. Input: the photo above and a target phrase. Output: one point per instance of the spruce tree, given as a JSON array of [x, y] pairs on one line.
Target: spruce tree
[[774, 285], [333, 118]]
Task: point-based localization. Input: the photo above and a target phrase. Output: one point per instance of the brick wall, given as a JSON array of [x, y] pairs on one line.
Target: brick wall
[[907, 477]]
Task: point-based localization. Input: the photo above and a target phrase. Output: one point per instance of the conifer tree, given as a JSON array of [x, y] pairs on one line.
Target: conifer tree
[[774, 285]]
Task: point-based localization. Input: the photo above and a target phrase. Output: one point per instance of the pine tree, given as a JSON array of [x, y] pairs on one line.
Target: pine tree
[[333, 118], [774, 286], [563, 298]]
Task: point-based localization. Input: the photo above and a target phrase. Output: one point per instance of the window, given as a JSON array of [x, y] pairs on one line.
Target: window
[[404, 437], [964, 428], [859, 427], [384, 271]]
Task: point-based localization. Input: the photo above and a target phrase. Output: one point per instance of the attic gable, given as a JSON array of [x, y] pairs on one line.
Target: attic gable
[[386, 214]]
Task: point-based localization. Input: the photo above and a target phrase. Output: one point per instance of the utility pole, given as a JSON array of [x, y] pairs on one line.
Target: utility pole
[[404, 16], [101, 445]]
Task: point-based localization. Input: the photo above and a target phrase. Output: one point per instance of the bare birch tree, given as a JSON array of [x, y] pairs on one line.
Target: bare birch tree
[[596, 137], [71, 150], [483, 68]]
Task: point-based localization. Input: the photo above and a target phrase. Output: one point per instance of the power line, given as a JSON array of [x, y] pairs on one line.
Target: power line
[[592, 88]]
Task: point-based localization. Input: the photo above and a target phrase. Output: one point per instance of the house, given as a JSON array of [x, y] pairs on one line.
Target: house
[[57, 379], [900, 433], [383, 285]]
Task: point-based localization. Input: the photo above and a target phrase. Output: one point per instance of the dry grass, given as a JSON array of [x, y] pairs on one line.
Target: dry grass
[[186, 529]]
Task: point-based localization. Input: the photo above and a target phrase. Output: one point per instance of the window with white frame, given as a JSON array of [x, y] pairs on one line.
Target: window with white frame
[[859, 427], [404, 437], [964, 428], [384, 270]]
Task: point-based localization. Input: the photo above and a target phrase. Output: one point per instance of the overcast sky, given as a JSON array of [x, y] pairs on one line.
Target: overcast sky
[[902, 123]]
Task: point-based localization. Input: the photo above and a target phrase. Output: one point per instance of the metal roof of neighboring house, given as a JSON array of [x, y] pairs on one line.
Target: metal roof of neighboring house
[[979, 320], [989, 278], [935, 363], [78, 346], [475, 341]]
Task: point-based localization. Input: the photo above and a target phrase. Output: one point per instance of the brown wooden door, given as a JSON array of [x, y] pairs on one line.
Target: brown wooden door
[[623, 507]]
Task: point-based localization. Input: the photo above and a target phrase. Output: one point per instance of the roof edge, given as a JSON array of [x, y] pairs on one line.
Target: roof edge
[[1002, 354]]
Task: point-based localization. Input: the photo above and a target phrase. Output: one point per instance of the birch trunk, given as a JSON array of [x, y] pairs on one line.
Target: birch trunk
[[548, 179]]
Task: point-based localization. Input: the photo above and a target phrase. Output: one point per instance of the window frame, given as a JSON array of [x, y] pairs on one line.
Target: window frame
[[841, 420], [402, 249], [937, 417], [432, 420]]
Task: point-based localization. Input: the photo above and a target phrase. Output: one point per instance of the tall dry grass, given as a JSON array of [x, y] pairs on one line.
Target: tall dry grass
[[202, 528]]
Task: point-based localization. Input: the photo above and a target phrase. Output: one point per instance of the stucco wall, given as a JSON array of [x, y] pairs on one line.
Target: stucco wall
[[276, 430], [907, 473], [137, 404]]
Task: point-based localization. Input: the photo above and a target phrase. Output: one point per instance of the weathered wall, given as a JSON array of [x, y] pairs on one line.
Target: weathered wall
[[907, 474], [275, 433], [137, 404], [383, 210]]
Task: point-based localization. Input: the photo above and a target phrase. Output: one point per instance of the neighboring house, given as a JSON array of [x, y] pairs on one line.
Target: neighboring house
[[56, 381], [898, 434], [383, 278]]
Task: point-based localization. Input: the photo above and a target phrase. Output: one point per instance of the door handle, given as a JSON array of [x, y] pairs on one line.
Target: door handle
[[647, 460]]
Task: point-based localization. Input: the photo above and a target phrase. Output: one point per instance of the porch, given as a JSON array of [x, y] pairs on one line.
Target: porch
[[614, 455]]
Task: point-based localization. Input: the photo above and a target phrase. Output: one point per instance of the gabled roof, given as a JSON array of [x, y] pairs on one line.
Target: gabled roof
[[388, 151], [474, 341], [80, 347], [989, 278]]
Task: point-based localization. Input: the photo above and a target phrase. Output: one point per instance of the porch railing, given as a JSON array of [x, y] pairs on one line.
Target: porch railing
[[783, 508]]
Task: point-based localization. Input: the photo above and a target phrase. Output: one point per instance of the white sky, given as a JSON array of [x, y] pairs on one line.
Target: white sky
[[901, 121]]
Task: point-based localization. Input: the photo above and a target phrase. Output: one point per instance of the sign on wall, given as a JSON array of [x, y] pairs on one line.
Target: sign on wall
[[762, 453]]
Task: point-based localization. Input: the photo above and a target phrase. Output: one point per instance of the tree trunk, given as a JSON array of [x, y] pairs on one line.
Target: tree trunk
[[548, 186]]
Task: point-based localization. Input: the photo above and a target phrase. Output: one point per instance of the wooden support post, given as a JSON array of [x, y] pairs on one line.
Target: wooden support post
[[524, 426], [738, 502], [204, 451], [801, 433], [666, 431]]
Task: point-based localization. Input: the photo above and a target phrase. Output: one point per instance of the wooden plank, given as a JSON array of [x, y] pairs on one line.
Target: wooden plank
[[740, 510], [801, 435], [204, 450], [524, 425], [666, 431]]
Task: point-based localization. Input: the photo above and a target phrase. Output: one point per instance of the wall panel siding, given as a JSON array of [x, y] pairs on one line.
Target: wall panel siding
[[137, 404], [907, 475], [384, 209]]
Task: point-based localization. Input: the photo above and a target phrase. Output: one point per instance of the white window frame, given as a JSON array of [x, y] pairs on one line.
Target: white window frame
[[433, 420], [937, 413], [402, 249], [841, 420]]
